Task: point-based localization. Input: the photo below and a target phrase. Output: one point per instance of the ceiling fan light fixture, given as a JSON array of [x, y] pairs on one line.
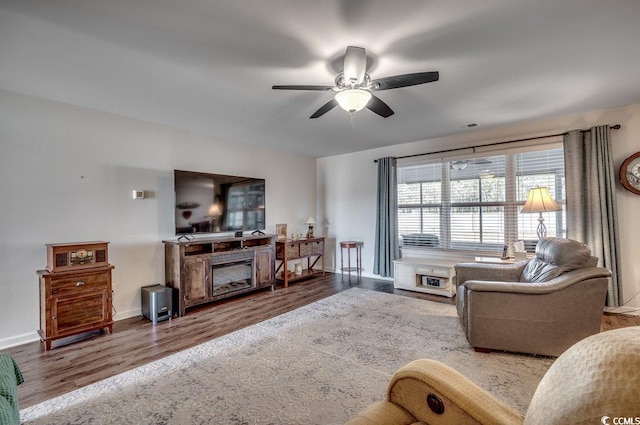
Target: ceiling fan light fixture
[[353, 100], [459, 165]]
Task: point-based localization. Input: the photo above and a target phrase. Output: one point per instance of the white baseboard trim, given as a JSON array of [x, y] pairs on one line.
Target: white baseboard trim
[[16, 340], [13, 341], [632, 311], [363, 274], [121, 315]]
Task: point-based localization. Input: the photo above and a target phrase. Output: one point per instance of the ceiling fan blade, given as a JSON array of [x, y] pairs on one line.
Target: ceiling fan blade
[[379, 107], [314, 88], [404, 80], [325, 108], [355, 65]]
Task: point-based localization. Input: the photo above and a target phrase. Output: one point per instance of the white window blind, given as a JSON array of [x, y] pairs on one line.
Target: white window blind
[[473, 202]]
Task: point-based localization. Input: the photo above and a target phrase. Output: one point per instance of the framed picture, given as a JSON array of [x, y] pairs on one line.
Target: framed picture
[[281, 232]]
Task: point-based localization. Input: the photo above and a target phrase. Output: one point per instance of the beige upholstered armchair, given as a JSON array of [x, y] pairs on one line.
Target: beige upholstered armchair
[[539, 306], [596, 381]]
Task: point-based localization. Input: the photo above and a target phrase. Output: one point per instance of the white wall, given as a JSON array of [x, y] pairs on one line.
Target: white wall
[[67, 174], [347, 183]]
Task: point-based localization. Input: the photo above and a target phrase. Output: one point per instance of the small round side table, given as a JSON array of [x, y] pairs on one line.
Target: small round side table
[[349, 245]]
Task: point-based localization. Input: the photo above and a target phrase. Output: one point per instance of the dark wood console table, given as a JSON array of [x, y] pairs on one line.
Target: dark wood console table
[[294, 249]]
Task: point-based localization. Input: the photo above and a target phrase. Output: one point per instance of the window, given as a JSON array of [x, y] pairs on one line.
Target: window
[[246, 206], [473, 203]]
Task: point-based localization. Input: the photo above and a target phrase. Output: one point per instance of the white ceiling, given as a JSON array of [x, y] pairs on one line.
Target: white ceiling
[[208, 65]]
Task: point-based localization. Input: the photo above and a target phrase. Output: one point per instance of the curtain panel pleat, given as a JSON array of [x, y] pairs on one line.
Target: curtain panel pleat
[[386, 248], [592, 215]]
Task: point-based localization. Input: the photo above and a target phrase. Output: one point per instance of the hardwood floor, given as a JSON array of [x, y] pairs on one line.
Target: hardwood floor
[[136, 341]]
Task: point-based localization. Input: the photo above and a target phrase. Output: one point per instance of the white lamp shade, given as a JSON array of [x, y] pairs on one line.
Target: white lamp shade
[[310, 220], [215, 210], [539, 200], [353, 100]]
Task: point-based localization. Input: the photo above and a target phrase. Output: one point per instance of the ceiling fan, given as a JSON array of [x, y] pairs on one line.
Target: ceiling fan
[[354, 88], [461, 164]]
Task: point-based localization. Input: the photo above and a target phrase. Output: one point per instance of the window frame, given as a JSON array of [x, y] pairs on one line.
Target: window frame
[[510, 216]]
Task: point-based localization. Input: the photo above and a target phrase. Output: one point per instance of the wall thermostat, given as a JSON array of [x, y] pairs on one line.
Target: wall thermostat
[[138, 194]]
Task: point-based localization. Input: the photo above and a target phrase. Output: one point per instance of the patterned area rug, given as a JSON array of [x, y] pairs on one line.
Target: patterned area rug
[[319, 364]]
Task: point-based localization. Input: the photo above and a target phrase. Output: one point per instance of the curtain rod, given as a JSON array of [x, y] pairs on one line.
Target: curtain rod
[[613, 127]]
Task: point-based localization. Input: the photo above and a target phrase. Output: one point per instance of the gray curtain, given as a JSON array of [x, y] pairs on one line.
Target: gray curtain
[[592, 215], [386, 247]]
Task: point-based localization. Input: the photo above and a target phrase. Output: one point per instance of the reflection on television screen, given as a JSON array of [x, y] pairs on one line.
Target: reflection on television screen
[[216, 203]]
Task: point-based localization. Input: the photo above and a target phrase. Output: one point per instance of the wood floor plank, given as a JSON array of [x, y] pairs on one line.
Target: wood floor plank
[[137, 341]]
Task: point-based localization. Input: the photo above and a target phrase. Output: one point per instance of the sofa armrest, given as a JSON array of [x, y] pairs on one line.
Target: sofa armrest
[[464, 401], [495, 272], [563, 281], [382, 413]]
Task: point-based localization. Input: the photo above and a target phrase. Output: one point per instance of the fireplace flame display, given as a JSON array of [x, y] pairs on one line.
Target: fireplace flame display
[[232, 272]]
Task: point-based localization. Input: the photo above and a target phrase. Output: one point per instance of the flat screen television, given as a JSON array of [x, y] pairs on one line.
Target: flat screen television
[[216, 203]]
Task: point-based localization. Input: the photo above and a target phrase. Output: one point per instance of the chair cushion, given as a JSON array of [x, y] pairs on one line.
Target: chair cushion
[[555, 256]]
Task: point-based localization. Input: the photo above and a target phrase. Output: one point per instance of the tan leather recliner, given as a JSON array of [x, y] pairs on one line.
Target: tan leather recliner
[[539, 306], [596, 381]]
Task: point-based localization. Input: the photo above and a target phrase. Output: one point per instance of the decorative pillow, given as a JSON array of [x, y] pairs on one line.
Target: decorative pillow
[[8, 414], [10, 378], [555, 256]]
